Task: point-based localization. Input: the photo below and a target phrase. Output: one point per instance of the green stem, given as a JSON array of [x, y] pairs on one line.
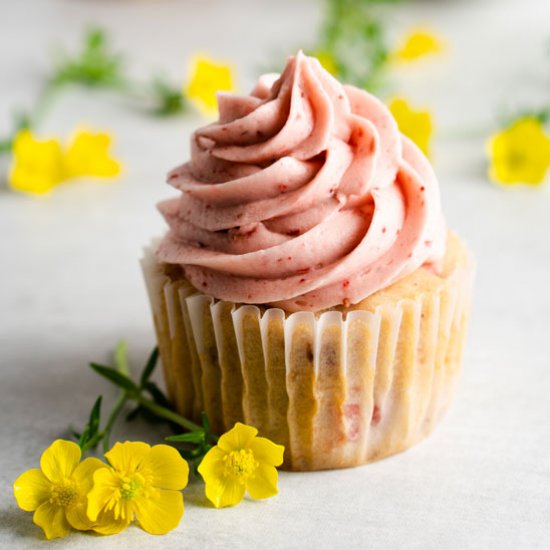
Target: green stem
[[6, 145], [44, 102], [106, 433], [167, 413]]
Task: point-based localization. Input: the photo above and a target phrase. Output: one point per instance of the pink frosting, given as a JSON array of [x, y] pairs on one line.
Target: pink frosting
[[303, 195]]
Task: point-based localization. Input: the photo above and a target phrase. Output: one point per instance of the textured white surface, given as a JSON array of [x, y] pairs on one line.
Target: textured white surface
[[71, 286]]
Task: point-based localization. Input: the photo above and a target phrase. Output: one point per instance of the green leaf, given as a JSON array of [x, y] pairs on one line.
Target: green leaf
[[94, 65], [189, 437], [167, 98], [84, 438], [95, 38], [149, 367], [95, 415], [157, 395], [115, 377], [120, 357]]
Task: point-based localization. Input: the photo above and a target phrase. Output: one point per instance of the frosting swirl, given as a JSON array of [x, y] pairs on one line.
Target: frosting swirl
[[303, 195]]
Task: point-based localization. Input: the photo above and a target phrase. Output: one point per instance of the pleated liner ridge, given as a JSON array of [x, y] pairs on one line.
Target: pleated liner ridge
[[336, 391]]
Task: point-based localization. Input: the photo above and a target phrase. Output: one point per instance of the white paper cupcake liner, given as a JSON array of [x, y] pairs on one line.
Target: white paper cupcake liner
[[337, 390]]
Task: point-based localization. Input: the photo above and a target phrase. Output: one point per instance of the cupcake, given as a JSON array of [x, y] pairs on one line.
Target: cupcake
[[307, 284]]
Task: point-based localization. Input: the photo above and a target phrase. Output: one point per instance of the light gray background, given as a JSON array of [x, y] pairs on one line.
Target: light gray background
[[70, 283]]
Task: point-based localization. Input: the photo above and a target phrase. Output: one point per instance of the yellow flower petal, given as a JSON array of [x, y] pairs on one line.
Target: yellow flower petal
[[37, 165], [59, 460], [415, 124], [264, 482], [128, 456], [168, 470], [222, 492], [88, 155], [240, 461], [419, 43], [77, 517], [212, 464], [160, 514], [83, 476], [31, 489], [106, 524], [520, 153], [133, 488], [52, 520], [238, 437], [207, 77], [105, 485], [83, 473], [266, 451]]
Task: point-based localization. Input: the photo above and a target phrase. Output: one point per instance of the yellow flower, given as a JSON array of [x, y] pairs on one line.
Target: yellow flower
[[88, 155], [520, 153], [206, 78], [416, 125], [40, 165], [418, 43], [241, 462], [144, 483], [56, 492], [37, 165], [327, 60]]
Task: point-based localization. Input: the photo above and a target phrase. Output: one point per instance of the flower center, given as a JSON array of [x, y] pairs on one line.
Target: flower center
[[131, 487], [63, 494], [240, 465]]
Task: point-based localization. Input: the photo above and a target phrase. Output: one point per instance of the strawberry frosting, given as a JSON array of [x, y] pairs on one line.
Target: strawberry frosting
[[303, 195]]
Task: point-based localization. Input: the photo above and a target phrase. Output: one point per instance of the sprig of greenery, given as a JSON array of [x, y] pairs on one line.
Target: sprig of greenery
[[97, 65], [151, 404], [91, 436], [353, 34], [195, 443]]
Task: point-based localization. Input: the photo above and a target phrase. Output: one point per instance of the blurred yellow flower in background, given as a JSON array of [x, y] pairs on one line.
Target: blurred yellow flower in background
[[415, 124], [520, 153], [40, 165], [418, 43], [327, 60], [88, 155], [56, 492], [241, 462], [37, 165], [144, 483], [207, 77]]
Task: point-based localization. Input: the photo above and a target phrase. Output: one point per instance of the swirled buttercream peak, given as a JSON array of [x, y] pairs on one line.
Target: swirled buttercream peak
[[303, 195]]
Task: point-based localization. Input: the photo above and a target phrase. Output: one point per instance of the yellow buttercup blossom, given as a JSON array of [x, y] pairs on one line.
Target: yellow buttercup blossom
[[142, 482], [241, 462], [207, 77], [520, 153], [327, 60], [415, 124], [37, 165], [56, 492], [88, 155], [40, 165], [419, 43]]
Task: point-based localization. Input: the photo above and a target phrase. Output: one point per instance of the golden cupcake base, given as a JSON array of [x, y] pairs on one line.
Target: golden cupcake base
[[337, 388]]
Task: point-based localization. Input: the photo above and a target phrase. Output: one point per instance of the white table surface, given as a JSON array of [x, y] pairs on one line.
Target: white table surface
[[70, 283]]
